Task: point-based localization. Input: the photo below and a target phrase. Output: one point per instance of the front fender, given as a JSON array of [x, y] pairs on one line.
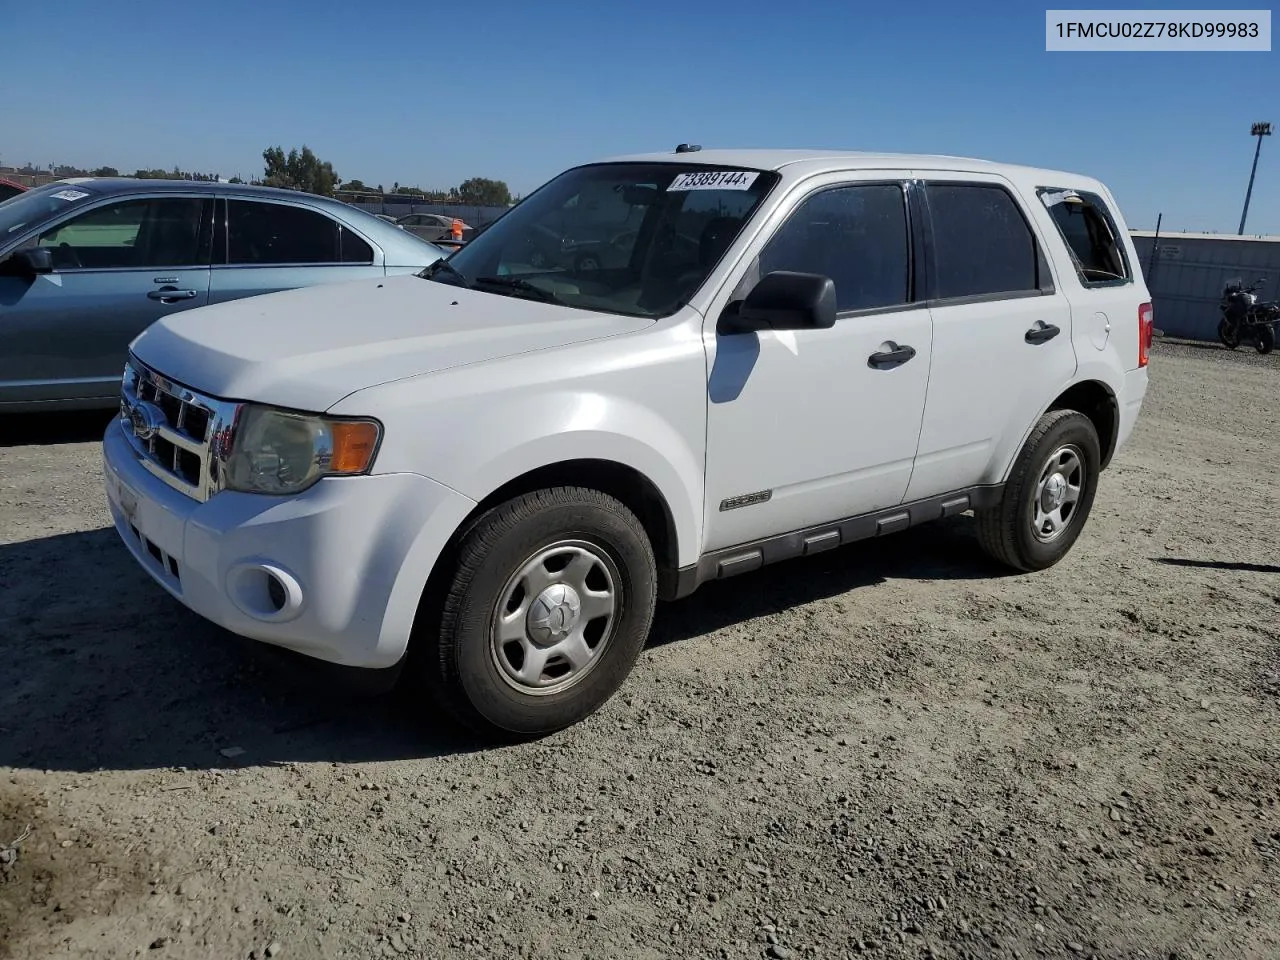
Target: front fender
[[601, 428]]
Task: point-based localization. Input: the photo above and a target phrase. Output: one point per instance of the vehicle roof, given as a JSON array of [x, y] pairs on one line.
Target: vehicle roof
[[107, 186], [804, 162], [395, 243]]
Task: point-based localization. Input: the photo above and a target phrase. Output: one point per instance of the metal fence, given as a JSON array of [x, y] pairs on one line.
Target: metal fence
[[1185, 273]]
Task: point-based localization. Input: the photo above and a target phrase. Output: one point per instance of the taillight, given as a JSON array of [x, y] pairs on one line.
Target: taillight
[[1146, 323]]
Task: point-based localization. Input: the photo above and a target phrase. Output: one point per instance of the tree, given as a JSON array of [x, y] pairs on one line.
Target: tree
[[484, 192], [355, 185], [299, 171], [105, 172]]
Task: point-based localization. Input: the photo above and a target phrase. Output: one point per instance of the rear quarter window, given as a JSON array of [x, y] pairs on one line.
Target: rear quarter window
[[1087, 228]]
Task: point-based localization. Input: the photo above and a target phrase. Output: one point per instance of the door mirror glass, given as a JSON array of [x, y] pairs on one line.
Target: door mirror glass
[[783, 300]]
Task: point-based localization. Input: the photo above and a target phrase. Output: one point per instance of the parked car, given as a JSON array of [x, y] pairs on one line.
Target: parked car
[[432, 226], [490, 479], [86, 265], [10, 188]]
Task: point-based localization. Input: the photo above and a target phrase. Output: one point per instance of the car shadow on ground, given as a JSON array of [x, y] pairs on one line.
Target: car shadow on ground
[[25, 429], [103, 670], [1235, 565]]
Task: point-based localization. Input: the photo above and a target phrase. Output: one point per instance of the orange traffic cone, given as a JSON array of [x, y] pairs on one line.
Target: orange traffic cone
[[456, 229]]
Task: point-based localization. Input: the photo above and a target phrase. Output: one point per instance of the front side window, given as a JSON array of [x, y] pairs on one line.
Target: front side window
[[982, 245], [278, 233], [155, 232], [857, 236], [1089, 233], [629, 238]]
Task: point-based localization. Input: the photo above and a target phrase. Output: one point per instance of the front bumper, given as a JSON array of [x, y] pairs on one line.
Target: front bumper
[[349, 557]]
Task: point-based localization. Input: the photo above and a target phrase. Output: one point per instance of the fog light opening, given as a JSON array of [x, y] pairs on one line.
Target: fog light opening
[[265, 592], [276, 593]]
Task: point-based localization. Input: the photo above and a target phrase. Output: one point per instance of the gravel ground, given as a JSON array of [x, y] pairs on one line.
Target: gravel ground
[[891, 751]]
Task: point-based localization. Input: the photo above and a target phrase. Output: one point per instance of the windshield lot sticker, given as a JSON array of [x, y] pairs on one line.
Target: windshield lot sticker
[[713, 180], [71, 194]]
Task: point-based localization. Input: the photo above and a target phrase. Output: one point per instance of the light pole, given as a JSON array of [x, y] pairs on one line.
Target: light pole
[[1259, 130]]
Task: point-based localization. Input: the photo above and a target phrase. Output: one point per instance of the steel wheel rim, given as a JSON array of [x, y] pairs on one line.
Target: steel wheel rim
[[555, 617], [1058, 492]]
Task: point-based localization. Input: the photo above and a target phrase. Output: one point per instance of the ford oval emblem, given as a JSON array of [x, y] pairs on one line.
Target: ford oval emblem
[[146, 419]]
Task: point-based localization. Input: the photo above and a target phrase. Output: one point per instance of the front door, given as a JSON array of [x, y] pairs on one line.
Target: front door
[[808, 426], [118, 267]]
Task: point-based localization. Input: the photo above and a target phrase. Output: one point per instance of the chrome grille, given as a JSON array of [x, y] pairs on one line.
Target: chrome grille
[[180, 436]]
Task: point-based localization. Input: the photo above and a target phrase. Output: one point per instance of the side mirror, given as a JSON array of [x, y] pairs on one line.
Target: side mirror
[[32, 261], [783, 300]]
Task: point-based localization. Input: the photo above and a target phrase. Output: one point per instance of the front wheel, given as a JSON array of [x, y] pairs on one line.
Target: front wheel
[[547, 610], [1228, 334], [1048, 496], [1265, 340]]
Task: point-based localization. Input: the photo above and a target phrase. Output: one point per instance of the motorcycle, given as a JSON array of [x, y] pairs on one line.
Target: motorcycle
[[1244, 317]]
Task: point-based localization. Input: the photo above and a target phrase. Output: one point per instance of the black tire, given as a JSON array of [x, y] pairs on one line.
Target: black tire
[[1229, 337], [1005, 531], [1265, 341], [587, 263], [463, 666]]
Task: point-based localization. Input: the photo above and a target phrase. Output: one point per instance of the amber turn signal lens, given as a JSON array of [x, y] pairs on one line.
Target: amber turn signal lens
[[353, 444]]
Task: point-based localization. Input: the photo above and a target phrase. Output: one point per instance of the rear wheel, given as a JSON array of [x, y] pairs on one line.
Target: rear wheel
[[547, 610], [1265, 341], [1048, 496], [1228, 335]]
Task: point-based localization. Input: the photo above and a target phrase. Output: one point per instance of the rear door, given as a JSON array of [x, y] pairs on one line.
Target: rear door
[[1002, 340], [119, 266], [262, 246]]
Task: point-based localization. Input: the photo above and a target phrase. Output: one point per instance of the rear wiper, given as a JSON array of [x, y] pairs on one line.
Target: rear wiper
[[443, 266], [522, 285]]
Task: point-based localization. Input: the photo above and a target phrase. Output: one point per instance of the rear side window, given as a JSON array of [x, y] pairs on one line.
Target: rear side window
[[1090, 234], [276, 233], [982, 245]]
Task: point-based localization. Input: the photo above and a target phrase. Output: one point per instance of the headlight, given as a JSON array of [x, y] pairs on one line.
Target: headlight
[[281, 452]]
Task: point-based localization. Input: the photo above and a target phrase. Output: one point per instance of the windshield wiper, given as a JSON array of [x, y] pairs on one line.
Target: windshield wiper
[[521, 285], [444, 266]]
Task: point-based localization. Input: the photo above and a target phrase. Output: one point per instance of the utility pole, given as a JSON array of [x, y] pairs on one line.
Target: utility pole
[[1259, 130]]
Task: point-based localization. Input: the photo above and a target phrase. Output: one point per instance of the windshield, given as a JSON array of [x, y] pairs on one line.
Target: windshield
[[32, 208], [629, 238]]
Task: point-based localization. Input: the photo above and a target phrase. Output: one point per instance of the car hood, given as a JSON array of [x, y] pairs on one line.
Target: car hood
[[309, 348]]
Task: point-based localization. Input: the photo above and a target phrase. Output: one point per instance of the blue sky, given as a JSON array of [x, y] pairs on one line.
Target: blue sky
[[432, 93]]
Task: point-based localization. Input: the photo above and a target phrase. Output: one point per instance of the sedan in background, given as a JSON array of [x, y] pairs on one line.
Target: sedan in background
[[86, 265], [432, 226]]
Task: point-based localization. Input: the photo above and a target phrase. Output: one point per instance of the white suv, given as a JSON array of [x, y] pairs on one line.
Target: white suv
[[489, 472]]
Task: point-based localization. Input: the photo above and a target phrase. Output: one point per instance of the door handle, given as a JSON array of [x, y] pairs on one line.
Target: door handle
[[170, 294], [1042, 332], [891, 358]]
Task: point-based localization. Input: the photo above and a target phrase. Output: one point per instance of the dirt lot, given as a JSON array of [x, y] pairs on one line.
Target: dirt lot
[[892, 751]]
